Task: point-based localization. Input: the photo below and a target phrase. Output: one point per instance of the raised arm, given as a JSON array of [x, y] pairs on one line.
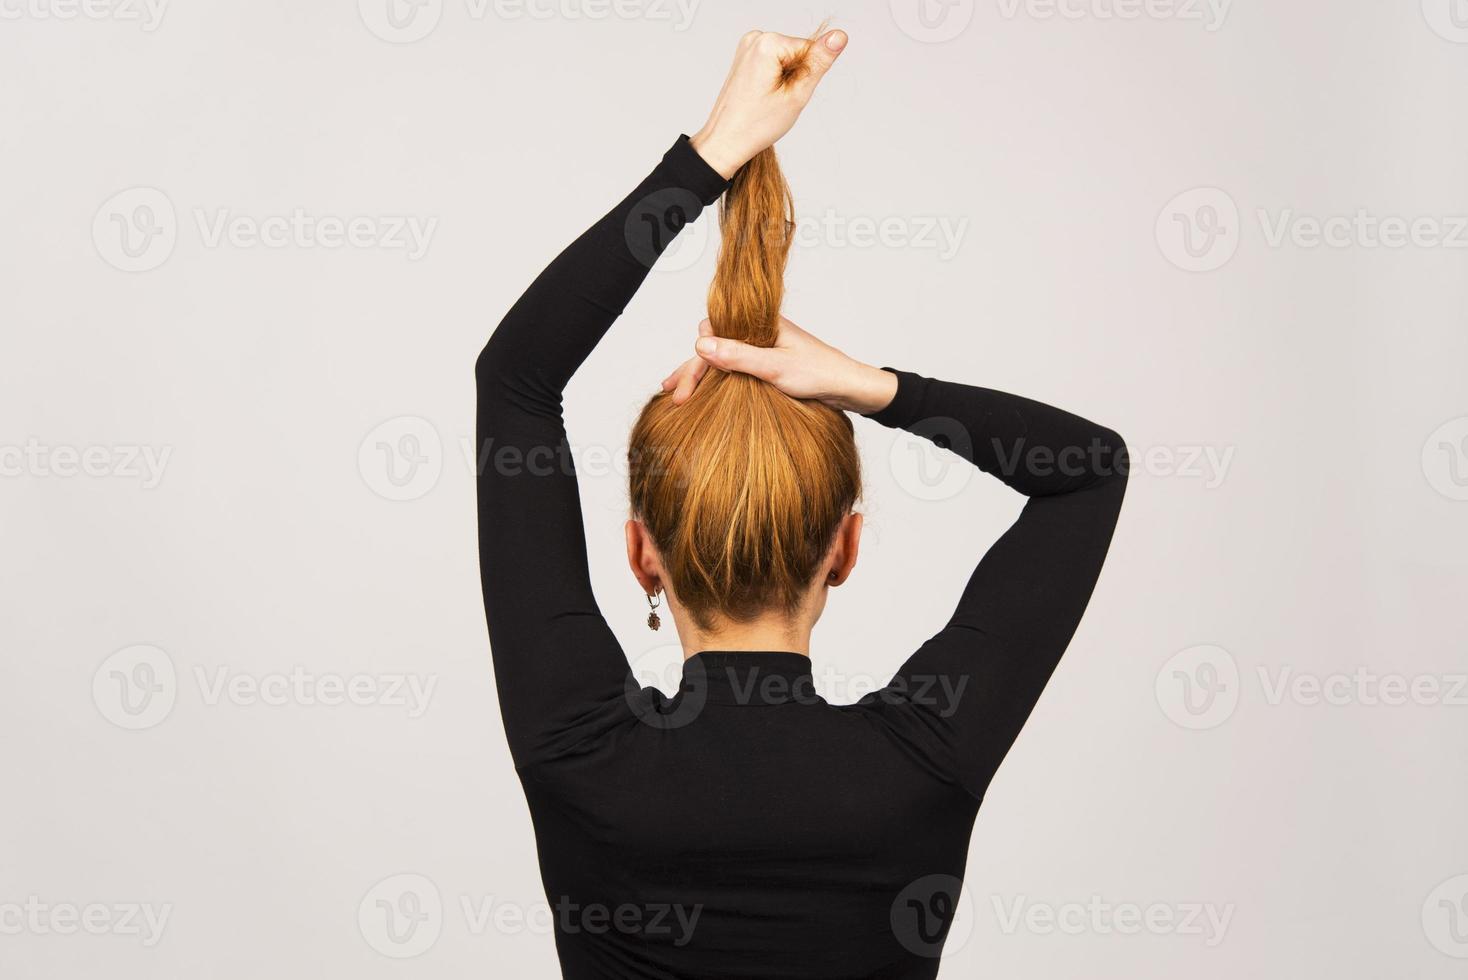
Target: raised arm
[[555, 658], [559, 670], [969, 689], [964, 695]]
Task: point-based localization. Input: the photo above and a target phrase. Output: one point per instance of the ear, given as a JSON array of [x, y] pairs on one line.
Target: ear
[[642, 558], [844, 549]]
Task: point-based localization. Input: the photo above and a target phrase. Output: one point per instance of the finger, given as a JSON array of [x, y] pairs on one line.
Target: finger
[[705, 328], [824, 52], [735, 355], [693, 373], [687, 384], [677, 381], [671, 381]]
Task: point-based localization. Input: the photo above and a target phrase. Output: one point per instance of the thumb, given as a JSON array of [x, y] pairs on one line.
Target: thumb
[[735, 355], [824, 51]]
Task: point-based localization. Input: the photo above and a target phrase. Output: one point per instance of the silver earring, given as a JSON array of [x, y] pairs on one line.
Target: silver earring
[[653, 619]]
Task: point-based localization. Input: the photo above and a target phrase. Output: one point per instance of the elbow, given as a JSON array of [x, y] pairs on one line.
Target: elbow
[[505, 383], [1112, 459], [491, 386], [496, 358], [487, 364], [497, 370]]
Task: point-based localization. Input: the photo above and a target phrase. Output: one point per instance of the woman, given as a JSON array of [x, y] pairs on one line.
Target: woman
[[745, 827]]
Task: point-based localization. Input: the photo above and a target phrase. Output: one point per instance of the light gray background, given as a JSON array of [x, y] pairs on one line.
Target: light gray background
[[1164, 769]]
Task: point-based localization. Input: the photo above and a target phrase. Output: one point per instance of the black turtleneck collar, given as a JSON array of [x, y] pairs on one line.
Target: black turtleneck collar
[[748, 677]]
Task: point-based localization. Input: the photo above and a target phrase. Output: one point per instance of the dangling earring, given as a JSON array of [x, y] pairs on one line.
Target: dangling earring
[[653, 619]]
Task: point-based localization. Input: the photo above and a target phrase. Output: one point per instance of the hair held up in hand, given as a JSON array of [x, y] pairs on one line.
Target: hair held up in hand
[[742, 487]]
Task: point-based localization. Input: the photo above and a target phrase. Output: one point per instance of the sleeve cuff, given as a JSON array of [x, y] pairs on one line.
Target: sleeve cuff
[[905, 405], [693, 172]]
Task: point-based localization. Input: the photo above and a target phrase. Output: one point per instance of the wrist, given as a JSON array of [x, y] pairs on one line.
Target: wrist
[[716, 152], [871, 390]]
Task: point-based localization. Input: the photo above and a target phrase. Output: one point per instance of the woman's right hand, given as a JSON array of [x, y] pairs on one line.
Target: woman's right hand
[[754, 109], [799, 364]]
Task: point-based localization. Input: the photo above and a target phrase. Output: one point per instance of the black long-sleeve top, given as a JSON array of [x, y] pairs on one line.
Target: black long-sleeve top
[[745, 827]]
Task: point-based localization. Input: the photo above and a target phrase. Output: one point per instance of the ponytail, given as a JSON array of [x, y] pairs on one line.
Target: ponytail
[[757, 217], [742, 488]]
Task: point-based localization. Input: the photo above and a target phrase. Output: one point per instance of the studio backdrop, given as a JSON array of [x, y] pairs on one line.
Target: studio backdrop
[[251, 251]]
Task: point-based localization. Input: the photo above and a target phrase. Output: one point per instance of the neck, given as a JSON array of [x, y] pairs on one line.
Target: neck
[[768, 633]]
